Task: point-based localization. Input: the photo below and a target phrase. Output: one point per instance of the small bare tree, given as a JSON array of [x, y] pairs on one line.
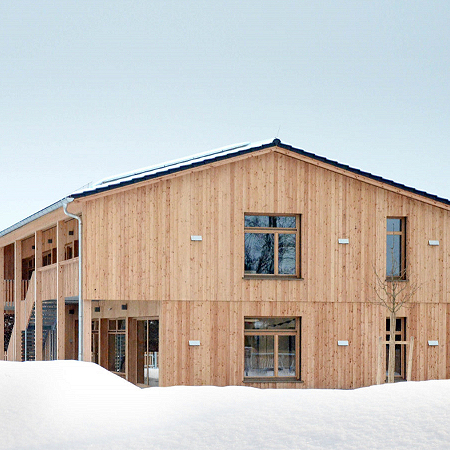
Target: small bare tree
[[393, 292]]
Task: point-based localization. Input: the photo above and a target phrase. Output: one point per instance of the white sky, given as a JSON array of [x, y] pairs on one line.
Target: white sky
[[91, 89]]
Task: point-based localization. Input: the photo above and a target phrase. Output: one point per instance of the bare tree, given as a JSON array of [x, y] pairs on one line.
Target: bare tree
[[393, 292]]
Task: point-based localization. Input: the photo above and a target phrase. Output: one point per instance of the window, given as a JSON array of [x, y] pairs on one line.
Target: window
[[400, 349], [68, 252], [272, 347], [395, 248], [49, 257], [271, 245], [116, 346], [28, 268]]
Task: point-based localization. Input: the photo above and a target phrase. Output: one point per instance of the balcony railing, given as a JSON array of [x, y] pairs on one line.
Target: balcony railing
[[9, 292]]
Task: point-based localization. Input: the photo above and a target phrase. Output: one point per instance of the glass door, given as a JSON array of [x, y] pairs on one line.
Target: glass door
[[148, 352]]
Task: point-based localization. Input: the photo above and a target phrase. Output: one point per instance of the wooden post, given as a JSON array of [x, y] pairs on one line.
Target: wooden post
[[380, 360], [38, 296], [87, 330], [17, 299], [60, 300], [2, 303], [131, 350], [410, 359], [103, 343]]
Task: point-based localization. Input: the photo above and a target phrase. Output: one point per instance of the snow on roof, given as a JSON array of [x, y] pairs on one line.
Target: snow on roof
[[199, 159], [227, 152], [160, 169]]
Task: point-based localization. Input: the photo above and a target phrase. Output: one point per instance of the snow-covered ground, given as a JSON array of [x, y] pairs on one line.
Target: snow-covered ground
[[73, 405]]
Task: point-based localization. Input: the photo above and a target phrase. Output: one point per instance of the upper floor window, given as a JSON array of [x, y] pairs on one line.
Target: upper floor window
[[272, 245], [396, 247], [49, 257]]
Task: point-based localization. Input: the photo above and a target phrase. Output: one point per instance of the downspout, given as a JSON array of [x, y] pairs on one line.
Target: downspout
[[65, 202]]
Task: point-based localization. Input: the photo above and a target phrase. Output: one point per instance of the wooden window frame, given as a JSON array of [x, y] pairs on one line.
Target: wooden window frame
[[276, 333], [68, 251], [47, 258], [401, 342], [402, 234], [276, 232]]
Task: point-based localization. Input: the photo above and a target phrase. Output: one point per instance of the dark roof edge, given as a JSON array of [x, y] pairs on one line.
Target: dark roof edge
[[277, 143], [366, 174], [37, 215]]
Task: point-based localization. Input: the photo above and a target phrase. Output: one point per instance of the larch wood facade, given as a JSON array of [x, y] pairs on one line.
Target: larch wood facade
[[138, 254]]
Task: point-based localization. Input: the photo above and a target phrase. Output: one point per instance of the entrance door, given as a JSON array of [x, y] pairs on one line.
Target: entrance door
[[148, 352], [400, 349]]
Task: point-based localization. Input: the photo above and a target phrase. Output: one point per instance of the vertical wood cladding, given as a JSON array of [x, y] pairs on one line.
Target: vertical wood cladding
[[138, 247]]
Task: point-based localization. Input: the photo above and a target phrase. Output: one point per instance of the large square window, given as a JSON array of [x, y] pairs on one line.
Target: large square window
[[272, 347], [271, 245]]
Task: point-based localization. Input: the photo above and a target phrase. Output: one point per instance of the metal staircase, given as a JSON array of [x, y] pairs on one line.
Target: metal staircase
[[9, 325], [49, 315]]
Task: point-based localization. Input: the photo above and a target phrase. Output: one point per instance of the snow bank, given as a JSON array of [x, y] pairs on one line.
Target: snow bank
[[73, 405]]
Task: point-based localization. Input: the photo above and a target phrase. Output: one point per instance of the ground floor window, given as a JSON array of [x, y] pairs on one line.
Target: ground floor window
[[400, 347], [116, 346], [272, 347]]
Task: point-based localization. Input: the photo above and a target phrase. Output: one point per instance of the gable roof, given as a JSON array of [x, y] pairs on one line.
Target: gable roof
[[221, 154], [200, 159]]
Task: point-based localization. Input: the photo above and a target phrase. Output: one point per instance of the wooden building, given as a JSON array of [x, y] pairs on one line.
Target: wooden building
[[250, 265]]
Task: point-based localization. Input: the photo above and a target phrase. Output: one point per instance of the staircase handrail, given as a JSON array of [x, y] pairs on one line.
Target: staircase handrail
[[22, 321]]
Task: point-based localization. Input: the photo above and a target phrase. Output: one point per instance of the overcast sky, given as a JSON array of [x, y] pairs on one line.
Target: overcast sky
[[90, 89]]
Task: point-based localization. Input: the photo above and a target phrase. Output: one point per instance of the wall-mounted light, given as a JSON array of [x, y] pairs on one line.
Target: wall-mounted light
[[194, 343], [433, 343], [342, 343], [196, 238], [343, 241], [433, 243]]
